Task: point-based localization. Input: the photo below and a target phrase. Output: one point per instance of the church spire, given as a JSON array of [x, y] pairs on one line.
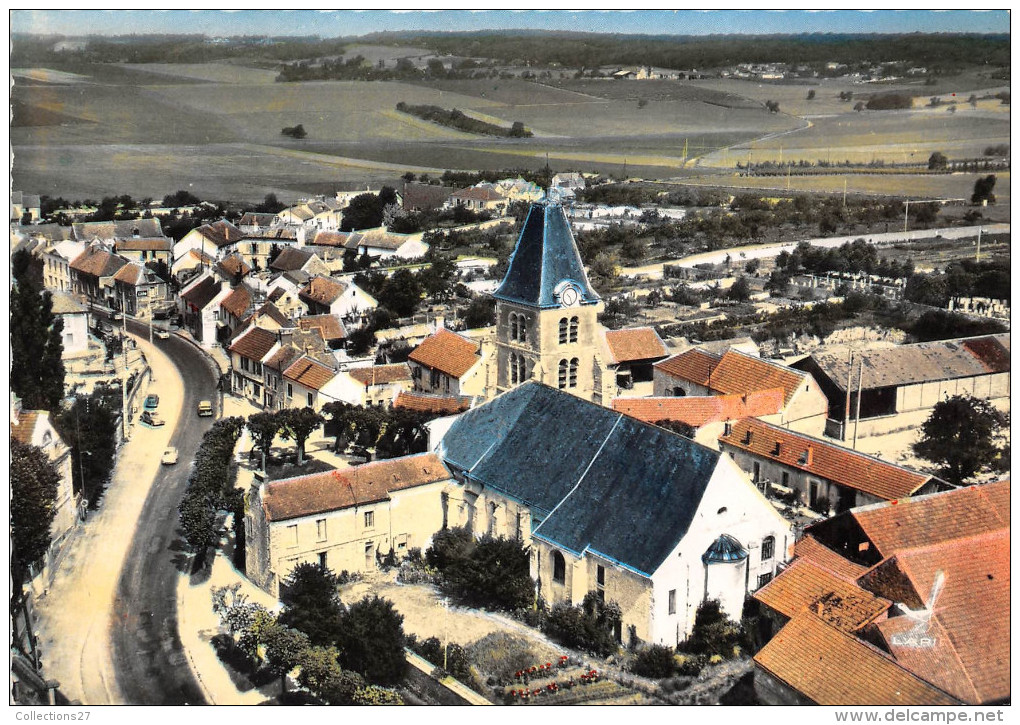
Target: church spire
[[545, 269]]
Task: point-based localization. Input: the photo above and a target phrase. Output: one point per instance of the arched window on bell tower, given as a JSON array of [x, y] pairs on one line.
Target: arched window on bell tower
[[562, 378], [573, 328], [513, 326], [564, 335]]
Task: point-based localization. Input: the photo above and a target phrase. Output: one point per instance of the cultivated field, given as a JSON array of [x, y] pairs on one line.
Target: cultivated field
[[211, 72]]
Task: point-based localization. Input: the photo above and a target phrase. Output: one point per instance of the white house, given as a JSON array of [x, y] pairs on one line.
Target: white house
[[384, 244], [372, 385], [200, 306], [217, 239], [75, 336], [331, 296]]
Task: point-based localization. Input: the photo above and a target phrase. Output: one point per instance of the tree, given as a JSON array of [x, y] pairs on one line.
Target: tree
[[298, 424], [372, 640], [772, 106], [198, 522], [713, 633], [263, 428], [37, 370], [495, 573], [481, 312], [811, 94], [740, 291], [270, 205], [962, 436], [34, 481], [88, 428], [285, 649], [778, 283], [294, 131], [322, 675], [859, 106], [312, 604], [401, 293], [364, 211], [937, 161], [983, 190], [655, 661]]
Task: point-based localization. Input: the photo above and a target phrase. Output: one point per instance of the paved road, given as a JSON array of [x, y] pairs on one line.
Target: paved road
[[146, 647]]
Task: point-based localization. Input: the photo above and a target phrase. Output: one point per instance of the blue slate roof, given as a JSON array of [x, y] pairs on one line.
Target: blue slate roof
[[545, 256], [594, 479], [724, 550]]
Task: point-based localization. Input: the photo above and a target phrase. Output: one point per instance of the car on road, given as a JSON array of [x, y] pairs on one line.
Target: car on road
[[205, 408], [163, 334], [169, 456], [150, 417], [116, 316], [106, 328], [151, 402]]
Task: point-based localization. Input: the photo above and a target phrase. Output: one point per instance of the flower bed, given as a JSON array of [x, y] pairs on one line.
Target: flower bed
[[553, 689]]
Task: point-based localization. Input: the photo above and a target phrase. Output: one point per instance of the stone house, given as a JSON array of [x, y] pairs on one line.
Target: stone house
[[92, 274], [331, 296], [75, 335], [306, 382], [57, 258], [141, 250], [373, 385], [449, 364], [199, 307], [216, 239], [639, 515], [696, 372], [827, 477], [293, 258], [247, 354], [343, 519], [138, 290], [627, 358], [477, 199]]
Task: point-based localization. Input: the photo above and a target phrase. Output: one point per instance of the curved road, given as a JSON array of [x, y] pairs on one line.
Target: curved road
[[146, 647]]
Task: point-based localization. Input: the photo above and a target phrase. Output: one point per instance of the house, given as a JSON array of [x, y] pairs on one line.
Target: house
[[706, 414], [267, 316], [449, 364], [92, 274], [374, 385], [138, 289], [232, 269], [199, 307], [273, 367], [247, 354], [424, 197], [286, 301], [897, 387], [293, 258], [519, 190], [117, 230], [331, 296], [322, 213], [33, 427], [217, 239], [573, 181], [478, 199], [75, 335], [571, 478], [696, 372], [827, 477], [255, 222], [23, 205], [627, 357], [383, 244], [193, 259], [343, 519], [899, 603], [329, 326], [56, 258], [142, 250], [234, 310], [304, 379], [256, 248]]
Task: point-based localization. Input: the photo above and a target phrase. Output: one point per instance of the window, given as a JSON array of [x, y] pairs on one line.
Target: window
[[369, 519], [244, 364], [311, 400], [322, 559], [768, 548], [757, 473], [764, 579], [523, 329], [562, 379], [573, 373], [291, 537], [573, 329], [320, 529], [434, 379], [672, 601], [786, 478], [559, 568], [564, 336], [514, 326], [600, 575], [256, 390], [290, 390]]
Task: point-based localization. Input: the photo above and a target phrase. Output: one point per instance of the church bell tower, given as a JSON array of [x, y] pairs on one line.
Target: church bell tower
[[546, 310]]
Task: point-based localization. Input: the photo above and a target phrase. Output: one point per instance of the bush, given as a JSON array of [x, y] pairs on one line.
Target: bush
[[690, 665], [371, 640], [501, 655], [590, 627], [713, 633], [449, 546], [655, 661], [374, 695]]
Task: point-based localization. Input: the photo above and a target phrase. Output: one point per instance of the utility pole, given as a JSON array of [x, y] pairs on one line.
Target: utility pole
[[857, 417], [844, 192], [906, 213], [123, 381], [977, 258], [849, 384]]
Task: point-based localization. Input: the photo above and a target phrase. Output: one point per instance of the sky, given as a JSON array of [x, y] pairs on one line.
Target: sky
[[334, 23]]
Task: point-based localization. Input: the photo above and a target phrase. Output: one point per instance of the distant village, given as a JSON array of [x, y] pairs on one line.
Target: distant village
[[657, 472]]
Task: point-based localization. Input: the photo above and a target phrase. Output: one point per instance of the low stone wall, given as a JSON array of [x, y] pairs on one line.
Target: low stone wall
[[447, 691]]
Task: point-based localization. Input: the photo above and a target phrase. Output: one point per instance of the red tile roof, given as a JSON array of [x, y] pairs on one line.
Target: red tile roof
[[810, 549], [640, 343], [927, 520], [237, 302], [309, 373], [291, 258], [740, 373], [330, 239], [693, 365], [382, 374], [443, 404], [329, 325], [97, 262], [282, 358], [478, 194], [701, 410], [840, 603], [990, 352], [25, 427], [446, 352], [334, 490], [233, 265], [324, 290], [158, 244], [220, 233], [131, 273], [970, 623], [830, 667], [826, 460], [254, 344]]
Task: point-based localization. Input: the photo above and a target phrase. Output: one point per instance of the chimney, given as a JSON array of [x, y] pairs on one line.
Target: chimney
[[778, 449], [747, 438], [301, 236], [807, 456], [727, 429]]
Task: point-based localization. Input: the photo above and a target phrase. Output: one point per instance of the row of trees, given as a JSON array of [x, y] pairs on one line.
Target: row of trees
[[852, 257], [961, 278], [459, 120]]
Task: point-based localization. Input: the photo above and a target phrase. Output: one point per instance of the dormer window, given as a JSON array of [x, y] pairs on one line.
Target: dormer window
[[747, 438], [778, 448]]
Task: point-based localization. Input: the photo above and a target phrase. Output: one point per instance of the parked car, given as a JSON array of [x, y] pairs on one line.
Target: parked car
[[116, 316], [150, 417], [151, 402], [205, 408], [169, 456], [163, 334], [106, 328]]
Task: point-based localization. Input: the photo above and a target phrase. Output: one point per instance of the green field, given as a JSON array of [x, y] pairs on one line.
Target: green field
[[214, 129]]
